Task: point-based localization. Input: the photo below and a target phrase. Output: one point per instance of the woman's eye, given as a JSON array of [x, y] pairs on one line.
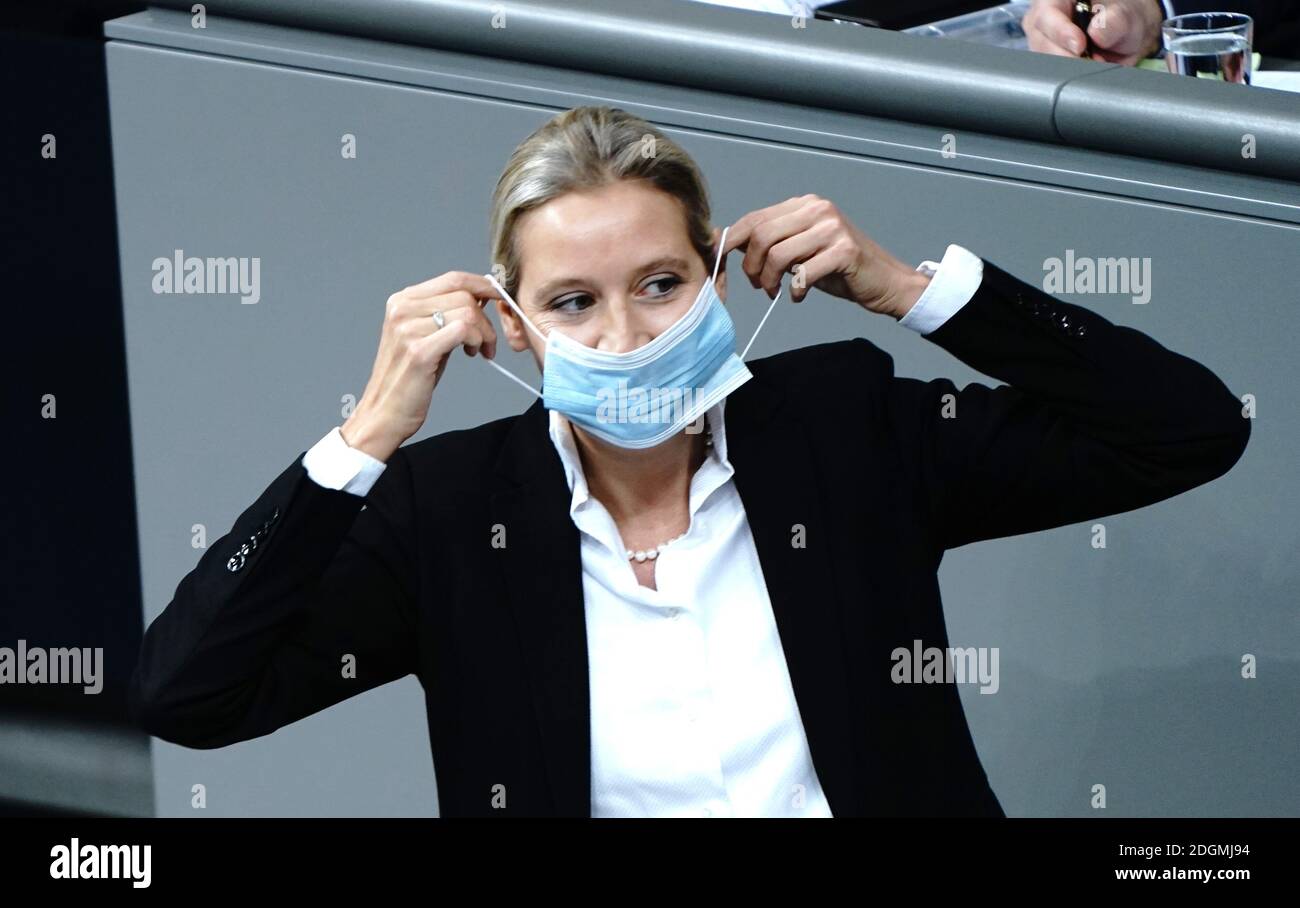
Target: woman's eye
[[668, 280], [574, 304], [563, 305]]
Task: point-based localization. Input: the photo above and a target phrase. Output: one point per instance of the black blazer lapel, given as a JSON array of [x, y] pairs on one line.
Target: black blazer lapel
[[543, 578], [768, 445]]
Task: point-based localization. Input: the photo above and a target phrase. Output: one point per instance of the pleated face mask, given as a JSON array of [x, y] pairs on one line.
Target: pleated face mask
[[645, 396]]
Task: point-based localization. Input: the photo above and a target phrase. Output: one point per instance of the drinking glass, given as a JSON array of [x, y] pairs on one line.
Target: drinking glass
[[1209, 45]]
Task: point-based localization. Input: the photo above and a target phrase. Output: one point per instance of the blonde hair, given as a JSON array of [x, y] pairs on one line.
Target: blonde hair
[[587, 148]]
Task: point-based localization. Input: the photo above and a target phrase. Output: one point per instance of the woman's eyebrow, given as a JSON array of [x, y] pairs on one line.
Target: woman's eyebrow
[[663, 261]]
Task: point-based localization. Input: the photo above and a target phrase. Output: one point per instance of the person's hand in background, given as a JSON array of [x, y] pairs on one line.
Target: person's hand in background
[[1122, 31]]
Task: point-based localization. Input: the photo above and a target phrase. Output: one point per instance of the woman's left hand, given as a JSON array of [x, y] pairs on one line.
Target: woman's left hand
[[811, 238]]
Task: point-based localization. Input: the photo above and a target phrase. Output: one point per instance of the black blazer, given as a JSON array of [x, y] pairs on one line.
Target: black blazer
[[1095, 419]]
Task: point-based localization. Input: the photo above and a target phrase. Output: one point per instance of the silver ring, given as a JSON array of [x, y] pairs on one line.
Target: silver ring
[[439, 319]]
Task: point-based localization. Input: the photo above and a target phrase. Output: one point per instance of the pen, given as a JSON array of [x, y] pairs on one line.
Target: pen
[[1083, 13]]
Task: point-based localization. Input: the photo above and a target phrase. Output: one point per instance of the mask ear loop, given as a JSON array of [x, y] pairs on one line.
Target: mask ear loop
[[761, 322], [527, 321], [721, 245]]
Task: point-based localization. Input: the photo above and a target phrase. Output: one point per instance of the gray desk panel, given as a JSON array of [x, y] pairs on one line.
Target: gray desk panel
[[814, 63], [701, 108], [1114, 110], [742, 52]]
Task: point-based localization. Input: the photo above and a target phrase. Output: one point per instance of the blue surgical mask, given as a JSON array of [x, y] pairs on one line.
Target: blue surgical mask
[[645, 396]]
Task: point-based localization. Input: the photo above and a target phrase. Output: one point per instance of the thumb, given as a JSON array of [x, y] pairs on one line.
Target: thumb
[[1116, 30]]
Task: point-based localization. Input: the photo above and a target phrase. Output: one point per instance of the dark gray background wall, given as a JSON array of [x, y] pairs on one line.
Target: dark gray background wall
[[1118, 666], [70, 561]]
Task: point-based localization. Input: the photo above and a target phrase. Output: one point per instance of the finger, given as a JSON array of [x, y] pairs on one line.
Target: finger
[[773, 231], [1036, 40], [1059, 34], [1116, 31], [474, 337], [461, 302], [423, 325], [478, 286], [821, 265], [485, 328], [738, 234], [801, 247], [408, 306], [430, 351]]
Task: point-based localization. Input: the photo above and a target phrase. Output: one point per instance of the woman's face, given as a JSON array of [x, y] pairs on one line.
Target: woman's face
[[611, 268]]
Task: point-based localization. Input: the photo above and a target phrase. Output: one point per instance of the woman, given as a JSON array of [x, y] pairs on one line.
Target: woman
[[615, 613]]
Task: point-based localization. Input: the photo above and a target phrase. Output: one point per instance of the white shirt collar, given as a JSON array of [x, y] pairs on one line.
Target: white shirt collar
[[715, 470]]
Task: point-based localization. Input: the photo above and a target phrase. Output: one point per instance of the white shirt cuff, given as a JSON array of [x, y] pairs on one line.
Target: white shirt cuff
[[334, 465], [954, 282]]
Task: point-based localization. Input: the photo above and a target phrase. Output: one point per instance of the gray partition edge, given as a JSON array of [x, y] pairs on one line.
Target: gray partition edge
[[1121, 110], [839, 67]]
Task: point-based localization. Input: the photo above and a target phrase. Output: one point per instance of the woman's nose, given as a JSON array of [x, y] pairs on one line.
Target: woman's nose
[[623, 330]]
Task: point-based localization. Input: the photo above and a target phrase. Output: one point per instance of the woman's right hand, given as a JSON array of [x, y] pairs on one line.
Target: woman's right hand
[[412, 355]]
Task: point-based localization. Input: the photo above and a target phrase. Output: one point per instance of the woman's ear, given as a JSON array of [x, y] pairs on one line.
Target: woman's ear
[[513, 326]]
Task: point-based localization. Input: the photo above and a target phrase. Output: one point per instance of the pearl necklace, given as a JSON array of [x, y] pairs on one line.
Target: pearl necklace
[[652, 554]]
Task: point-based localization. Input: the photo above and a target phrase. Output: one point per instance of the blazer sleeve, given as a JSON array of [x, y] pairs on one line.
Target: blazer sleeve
[[1094, 418], [260, 632]]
